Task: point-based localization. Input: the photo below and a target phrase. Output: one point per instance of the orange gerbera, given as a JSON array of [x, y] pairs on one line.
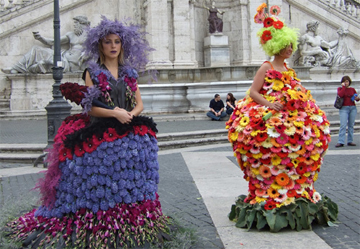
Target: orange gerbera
[[275, 121], [286, 78], [282, 179], [272, 193], [301, 180], [302, 96], [301, 151], [314, 166], [299, 130], [290, 185], [265, 171]]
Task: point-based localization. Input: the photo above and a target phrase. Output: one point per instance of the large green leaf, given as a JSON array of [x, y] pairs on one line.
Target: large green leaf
[[303, 213], [251, 214], [232, 214], [270, 218], [261, 220], [280, 222], [288, 211], [241, 221]]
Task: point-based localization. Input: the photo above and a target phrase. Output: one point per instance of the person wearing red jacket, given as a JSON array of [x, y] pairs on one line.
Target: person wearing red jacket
[[347, 112]]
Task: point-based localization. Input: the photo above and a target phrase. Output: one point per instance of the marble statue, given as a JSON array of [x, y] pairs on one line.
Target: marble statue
[[215, 22], [314, 50], [40, 59], [342, 56]]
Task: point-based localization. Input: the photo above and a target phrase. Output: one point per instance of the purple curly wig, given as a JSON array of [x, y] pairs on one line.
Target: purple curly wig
[[136, 48]]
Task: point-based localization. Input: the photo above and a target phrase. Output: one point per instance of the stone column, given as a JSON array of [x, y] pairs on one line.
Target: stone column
[[184, 35], [156, 19]]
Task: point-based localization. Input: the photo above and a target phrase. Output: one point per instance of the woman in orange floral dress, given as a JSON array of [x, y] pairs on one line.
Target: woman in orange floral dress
[[279, 137]]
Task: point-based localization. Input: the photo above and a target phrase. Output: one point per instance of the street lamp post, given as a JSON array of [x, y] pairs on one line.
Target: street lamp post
[[57, 109]]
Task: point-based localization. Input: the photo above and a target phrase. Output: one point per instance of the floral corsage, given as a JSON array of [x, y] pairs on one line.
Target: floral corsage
[[130, 78]]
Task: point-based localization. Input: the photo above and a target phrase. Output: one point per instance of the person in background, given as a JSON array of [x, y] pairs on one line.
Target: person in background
[[230, 103], [347, 112], [216, 108]]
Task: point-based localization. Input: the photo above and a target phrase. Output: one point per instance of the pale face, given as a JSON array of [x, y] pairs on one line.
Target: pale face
[[287, 51], [217, 98], [111, 46], [347, 83]]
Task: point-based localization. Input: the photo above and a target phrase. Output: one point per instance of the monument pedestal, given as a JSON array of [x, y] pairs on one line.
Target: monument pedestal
[[216, 50]]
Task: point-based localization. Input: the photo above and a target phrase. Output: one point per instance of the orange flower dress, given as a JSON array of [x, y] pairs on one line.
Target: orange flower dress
[[280, 152]]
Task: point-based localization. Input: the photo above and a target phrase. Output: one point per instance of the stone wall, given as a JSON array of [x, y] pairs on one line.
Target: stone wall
[[176, 30]]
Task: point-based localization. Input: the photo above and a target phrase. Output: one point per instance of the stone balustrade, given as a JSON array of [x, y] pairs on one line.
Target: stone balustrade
[[348, 7]]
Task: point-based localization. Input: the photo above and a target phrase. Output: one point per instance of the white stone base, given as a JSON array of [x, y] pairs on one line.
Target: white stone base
[[216, 50]]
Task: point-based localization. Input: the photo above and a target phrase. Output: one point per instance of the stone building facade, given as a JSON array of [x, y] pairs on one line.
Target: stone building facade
[[177, 30]]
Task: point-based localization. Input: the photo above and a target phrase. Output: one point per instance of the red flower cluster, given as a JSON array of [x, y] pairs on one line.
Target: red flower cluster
[[73, 91], [142, 220], [266, 36]]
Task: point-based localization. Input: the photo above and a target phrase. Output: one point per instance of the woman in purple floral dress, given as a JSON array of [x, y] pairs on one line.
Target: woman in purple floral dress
[[100, 187]]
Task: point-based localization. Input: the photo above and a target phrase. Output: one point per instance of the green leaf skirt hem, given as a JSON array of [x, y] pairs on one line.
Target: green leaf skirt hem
[[299, 215]]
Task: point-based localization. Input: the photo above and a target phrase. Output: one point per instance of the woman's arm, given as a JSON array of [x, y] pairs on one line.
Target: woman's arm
[[341, 90], [228, 103], [257, 85], [120, 114], [139, 104]]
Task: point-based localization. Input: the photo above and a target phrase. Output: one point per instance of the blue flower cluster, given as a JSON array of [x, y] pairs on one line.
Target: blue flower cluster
[[122, 171]]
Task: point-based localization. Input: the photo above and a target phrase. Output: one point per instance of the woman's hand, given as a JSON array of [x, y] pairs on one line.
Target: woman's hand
[[277, 106], [122, 115]]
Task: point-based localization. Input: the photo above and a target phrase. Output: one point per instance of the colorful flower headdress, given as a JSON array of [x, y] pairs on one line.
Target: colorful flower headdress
[[133, 40], [275, 35]]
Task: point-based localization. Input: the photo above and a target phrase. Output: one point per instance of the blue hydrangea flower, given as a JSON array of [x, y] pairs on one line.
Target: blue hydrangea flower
[[122, 153], [116, 176], [117, 143], [118, 198], [79, 170], [114, 187], [101, 179], [108, 193], [109, 151], [103, 170], [79, 161], [108, 181], [100, 192], [123, 163], [127, 199], [103, 146], [104, 205], [95, 208]]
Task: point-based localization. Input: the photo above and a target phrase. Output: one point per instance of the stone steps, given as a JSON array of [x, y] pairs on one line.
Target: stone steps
[[4, 105], [28, 153]]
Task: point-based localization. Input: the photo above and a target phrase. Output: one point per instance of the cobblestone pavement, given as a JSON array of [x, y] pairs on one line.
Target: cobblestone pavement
[[338, 179], [179, 198]]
